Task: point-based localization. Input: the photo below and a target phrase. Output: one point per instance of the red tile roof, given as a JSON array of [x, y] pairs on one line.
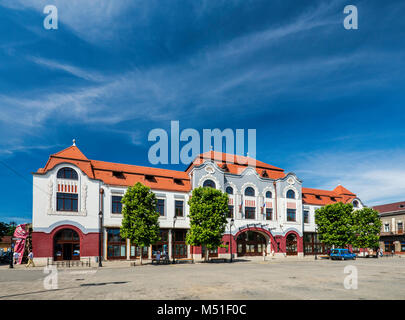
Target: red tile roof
[[164, 179], [390, 207], [172, 180], [237, 164], [324, 197]]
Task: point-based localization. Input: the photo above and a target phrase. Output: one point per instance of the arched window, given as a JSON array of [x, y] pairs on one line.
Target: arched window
[[290, 194], [250, 192], [355, 204], [229, 190], [268, 194], [67, 173], [209, 183]]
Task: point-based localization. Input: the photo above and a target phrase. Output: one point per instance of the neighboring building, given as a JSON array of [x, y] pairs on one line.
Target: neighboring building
[[272, 212], [392, 237], [5, 243]]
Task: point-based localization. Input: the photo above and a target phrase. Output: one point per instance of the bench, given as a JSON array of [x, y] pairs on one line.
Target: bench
[[184, 260], [160, 261], [214, 260]]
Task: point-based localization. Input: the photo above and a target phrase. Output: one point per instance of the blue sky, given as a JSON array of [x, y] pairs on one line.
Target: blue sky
[[327, 103]]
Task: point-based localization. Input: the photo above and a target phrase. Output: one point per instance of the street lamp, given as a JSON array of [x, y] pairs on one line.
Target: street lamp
[[11, 266], [100, 216], [174, 223], [231, 239], [315, 246]]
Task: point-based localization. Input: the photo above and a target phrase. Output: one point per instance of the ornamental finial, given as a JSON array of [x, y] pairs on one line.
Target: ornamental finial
[[74, 142]]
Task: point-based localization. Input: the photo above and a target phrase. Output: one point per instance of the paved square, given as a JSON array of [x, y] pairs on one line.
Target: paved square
[[288, 278]]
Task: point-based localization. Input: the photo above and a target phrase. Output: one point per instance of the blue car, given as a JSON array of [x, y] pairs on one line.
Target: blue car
[[342, 254]]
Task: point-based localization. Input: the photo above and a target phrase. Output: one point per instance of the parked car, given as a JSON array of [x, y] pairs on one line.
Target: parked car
[[5, 258], [342, 254]]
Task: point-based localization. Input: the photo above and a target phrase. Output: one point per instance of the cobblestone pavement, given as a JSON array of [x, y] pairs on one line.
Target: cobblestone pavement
[[276, 279]]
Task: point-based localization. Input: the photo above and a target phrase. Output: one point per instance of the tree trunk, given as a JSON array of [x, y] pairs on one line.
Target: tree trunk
[[206, 254], [141, 254]]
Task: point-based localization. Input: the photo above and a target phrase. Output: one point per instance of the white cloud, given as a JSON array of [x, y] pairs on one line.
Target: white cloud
[[91, 20], [78, 72], [377, 176]]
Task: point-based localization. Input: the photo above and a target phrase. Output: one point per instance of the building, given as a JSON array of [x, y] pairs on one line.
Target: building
[[5, 244], [273, 213], [392, 237]]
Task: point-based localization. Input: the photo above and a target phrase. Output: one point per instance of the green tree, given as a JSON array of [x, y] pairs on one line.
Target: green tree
[[4, 229], [334, 222], [140, 221], [208, 208], [366, 228]]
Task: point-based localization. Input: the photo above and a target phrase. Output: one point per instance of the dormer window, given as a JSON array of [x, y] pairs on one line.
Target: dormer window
[[268, 194], [333, 199], [229, 190], [178, 181], [355, 204], [118, 174], [67, 173], [318, 197], [264, 174], [150, 178]]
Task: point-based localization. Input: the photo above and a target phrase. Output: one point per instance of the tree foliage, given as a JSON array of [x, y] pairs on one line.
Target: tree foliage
[[7, 229], [208, 208], [334, 223], [3, 229], [140, 221], [366, 228], [340, 225]]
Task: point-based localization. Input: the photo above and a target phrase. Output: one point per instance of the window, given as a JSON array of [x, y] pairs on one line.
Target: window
[[178, 208], [306, 216], [389, 246], [387, 227], [250, 192], [268, 194], [400, 227], [290, 194], [250, 212], [66, 202], [291, 213], [160, 207], [269, 214], [355, 204], [402, 246], [229, 190], [209, 183], [118, 174], [116, 205], [67, 173], [116, 246], [230, 211]]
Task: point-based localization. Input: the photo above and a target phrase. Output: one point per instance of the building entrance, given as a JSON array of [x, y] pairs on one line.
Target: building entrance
[[251, 243]]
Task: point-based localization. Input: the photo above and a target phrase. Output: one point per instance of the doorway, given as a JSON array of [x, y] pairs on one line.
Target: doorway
[[66, 245]]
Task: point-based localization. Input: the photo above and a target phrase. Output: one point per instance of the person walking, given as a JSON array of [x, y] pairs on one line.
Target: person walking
[[30, 260], [15, 256]]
